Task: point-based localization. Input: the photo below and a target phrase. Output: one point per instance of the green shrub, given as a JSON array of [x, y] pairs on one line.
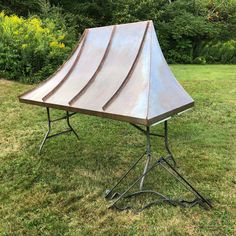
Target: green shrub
[[220, 52], [31, 49], [199, 60]]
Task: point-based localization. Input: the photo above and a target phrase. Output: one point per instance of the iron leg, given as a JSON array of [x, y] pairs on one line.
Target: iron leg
[[47, 136], [68, 123], [48, 132], [167, 143], [161, 198], [148, 158]]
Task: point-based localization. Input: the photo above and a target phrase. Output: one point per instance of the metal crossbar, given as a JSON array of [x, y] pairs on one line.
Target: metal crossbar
[[163, 162], [165, 136], [47, 136]]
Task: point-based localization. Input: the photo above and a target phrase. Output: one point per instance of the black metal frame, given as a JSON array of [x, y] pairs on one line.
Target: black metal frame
[[47, 136], [166, 165], [165, 136]]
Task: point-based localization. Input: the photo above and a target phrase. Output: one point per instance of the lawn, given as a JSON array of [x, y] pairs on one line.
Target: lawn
[[60, 192]]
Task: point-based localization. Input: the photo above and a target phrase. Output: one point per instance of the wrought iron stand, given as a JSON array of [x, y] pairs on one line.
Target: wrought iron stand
[[168, 164], [70, 129]]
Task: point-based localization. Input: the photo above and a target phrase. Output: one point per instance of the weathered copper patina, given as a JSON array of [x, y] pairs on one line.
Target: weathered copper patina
[[118, 72]]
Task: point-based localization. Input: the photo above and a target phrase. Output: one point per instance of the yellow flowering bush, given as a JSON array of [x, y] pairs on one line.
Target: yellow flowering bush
[[56, 44], [31, 49]]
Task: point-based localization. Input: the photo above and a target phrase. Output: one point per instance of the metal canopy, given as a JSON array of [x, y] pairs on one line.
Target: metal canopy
[[117, 72]]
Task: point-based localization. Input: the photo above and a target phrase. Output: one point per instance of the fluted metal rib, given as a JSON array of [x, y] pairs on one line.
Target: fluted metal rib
[[91, 80], [84, 36], [105, 106]]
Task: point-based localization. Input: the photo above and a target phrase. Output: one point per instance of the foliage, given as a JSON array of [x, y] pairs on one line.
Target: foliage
[[220, 52], [89, 13], [189, 31], [183, 26], [61, 191], [31, 49], [200, 60], [186, 29], [223, 15], [19, 7]]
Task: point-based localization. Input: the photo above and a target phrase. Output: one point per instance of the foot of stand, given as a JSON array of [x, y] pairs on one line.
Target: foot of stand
[[167, 143], [47, 136], [165, 164], [198, 200]]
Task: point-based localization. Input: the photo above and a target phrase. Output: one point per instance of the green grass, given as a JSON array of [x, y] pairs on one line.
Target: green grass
[[60, 191]]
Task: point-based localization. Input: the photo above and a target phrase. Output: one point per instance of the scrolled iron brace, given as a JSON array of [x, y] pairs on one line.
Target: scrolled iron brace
[[168, 164]]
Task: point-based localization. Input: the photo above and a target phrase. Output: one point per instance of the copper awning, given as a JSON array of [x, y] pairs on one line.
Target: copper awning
[[117, 72]]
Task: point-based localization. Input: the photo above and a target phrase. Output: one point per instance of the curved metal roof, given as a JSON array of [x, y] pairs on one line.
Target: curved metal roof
[[117, 72]]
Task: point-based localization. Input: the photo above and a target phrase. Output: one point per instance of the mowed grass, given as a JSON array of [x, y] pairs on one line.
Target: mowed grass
[[60, 192]]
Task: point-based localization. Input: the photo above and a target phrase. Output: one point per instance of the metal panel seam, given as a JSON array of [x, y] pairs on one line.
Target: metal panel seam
[[149, 78], [56, 71], [91, 80], [70, 70], [108, 103]]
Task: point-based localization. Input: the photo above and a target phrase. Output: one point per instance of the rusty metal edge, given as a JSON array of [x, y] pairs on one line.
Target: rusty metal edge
[[91, 80], [111, 99], [129, 119]]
